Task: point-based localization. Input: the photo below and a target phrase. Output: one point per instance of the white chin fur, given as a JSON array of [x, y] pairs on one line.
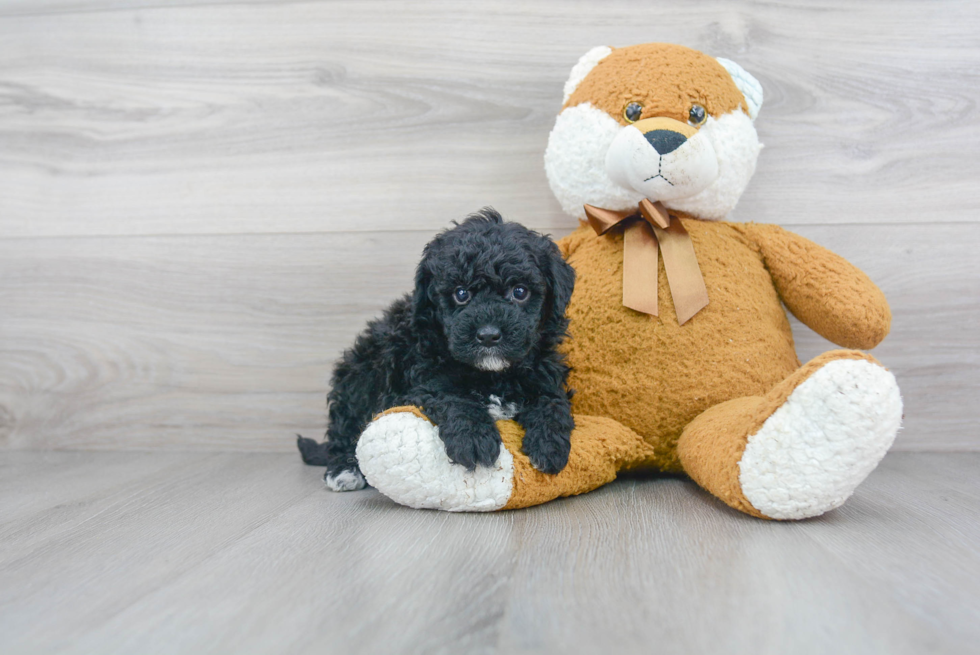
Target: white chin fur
[[575, 162], [492, 363], [632, 162]]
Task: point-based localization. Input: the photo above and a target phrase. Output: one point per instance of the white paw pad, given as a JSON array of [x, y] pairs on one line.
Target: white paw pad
[[402, 456], [810, 455], [344, 481]]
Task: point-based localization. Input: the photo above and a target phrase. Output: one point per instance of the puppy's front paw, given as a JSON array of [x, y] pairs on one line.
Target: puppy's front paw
[[344, 480], [547, 448], [470, 444]]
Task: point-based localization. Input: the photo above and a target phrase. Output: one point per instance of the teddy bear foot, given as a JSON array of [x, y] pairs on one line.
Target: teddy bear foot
[[813, 451], [402, 456], [803, 448]]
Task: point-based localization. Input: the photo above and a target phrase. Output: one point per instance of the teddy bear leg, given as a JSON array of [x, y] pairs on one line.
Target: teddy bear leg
[[402, 456], [801, 449]]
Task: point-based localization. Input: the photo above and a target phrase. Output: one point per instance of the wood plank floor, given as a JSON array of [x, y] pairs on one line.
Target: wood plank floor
[[126, 552]]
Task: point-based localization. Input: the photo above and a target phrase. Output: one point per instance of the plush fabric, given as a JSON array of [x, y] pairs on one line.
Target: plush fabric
[[655, 376], [723, 396], [666, 80], [400, 453], [713, 444], [650, 73]]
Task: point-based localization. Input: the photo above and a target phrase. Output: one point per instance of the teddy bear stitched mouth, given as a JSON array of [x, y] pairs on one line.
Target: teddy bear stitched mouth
[[660, 163]]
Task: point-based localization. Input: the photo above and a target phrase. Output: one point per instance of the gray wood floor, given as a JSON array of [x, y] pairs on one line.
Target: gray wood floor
[[247, 552]]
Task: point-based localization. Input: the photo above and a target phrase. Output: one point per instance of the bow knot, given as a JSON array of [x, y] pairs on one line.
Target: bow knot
[[647, 229]]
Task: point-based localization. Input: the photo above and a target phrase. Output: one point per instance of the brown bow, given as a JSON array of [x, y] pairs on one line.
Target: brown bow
[[646, 227]]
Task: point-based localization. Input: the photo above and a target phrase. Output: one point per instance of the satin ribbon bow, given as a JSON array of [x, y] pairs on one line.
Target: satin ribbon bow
[[646, 228]]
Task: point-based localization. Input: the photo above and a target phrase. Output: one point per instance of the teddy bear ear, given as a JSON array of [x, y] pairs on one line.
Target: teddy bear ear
[[748, 85], [585, 64]]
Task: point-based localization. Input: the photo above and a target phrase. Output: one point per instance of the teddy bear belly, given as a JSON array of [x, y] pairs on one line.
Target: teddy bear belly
[[655, 376]]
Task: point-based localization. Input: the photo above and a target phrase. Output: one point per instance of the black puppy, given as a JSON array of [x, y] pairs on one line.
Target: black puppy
[[473, 343]]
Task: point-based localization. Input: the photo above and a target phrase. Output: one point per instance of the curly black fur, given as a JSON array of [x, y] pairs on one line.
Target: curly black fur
[[425, 350]]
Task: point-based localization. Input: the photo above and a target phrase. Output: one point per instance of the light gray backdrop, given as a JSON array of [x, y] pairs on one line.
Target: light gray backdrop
[[201, 203]]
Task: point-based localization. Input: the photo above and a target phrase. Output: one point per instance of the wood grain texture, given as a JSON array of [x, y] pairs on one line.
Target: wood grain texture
[[235, 335], [176, 552], [227, 342], [152, 118], [201, 203]]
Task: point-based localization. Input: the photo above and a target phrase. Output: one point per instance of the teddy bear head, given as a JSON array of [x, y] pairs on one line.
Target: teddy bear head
[[655, 121]]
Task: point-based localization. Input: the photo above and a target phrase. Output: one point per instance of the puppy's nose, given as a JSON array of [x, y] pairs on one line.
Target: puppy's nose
[[664, 141], [488, 335]]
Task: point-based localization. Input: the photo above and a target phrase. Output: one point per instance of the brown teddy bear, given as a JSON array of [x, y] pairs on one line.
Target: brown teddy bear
[[682, 354]]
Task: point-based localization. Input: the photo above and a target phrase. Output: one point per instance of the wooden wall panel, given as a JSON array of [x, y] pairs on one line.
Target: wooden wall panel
[[201, 342], [226, 342], [145, 118], [202, 202]]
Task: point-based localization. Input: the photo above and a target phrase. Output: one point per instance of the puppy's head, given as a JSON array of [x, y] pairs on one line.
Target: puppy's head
[[495, 291], [655, 121]]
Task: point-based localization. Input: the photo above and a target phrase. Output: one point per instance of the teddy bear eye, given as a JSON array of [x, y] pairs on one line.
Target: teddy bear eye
[[697, 115], [632, 112], [461, 296]]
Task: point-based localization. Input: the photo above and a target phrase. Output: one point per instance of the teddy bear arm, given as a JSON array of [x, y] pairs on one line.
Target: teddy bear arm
[[822, 289]]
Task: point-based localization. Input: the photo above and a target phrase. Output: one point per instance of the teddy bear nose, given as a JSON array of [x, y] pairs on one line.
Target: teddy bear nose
[[488, 335], [664, 141]]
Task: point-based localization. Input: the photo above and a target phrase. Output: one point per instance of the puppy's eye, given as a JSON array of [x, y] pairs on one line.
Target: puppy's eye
[[461, 296], [697, 115], [520, 293], [632, 111]]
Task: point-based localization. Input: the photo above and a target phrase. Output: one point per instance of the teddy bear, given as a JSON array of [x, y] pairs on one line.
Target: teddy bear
[[681, 350]]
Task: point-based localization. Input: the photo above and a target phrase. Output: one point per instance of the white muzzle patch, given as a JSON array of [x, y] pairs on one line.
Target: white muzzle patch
[[632, 162], [492, 363]]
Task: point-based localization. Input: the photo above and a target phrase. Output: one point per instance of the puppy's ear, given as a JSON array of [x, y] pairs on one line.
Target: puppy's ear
[[423, 309], [561, 283], [562, 280]]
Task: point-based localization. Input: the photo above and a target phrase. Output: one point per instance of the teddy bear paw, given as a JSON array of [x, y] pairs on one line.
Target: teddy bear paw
[[812, 452], [402, 456]]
